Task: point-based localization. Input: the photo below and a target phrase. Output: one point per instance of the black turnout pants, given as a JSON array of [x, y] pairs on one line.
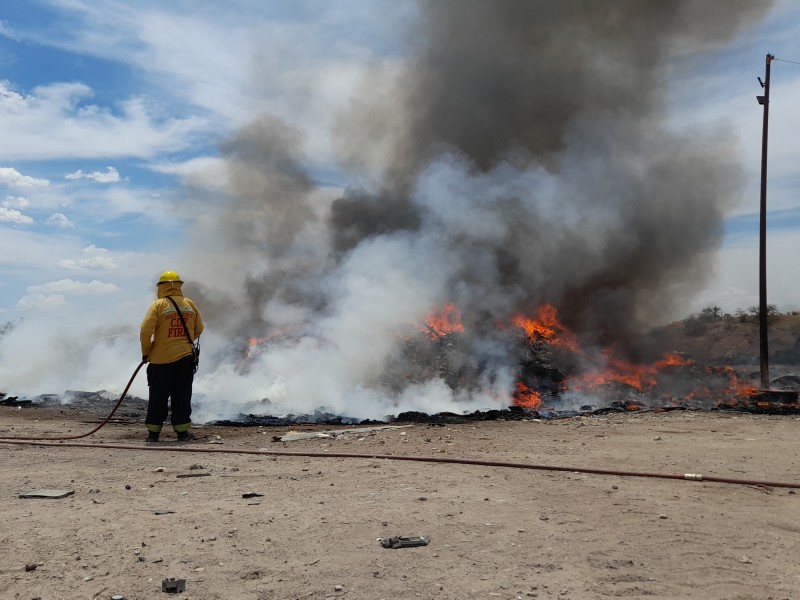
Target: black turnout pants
[[170, 382]]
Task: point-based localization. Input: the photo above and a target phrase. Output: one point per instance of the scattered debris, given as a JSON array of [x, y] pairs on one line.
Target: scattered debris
[[317, 418], [179, 475], [196, 467], [251, 495], [159, 469], [12, 400], [47, 494], [295, 436], [173, 586], [30, 567], [405, 542]]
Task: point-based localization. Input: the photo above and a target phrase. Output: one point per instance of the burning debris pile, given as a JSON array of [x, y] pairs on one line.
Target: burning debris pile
[[558, 376], [556, 371]]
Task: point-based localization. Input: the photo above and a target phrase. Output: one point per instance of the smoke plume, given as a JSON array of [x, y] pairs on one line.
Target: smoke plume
[[522, 157]]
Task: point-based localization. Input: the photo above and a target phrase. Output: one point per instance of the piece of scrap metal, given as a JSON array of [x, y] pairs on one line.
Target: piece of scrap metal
[[47, 494], [309, 435], [14, 401], [173, 586], [405, 542], [179, 475]]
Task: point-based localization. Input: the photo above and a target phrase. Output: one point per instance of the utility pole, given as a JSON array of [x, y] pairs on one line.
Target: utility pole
[[762, 256]]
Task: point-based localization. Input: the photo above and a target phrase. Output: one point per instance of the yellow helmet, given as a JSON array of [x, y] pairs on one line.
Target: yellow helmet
[[169, 277]]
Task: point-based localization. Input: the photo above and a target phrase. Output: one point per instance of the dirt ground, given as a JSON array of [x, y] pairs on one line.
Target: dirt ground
[[495, 532]]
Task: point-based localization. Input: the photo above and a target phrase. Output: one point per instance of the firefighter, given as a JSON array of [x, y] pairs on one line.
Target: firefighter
[[171, 354]]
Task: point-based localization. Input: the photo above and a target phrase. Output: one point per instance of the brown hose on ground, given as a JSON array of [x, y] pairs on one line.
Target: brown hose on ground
[[96, 429], [430, 459]]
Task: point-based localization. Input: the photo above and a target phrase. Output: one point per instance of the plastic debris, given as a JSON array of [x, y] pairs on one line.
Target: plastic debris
[[47, 494], [173, 586], [405, 542]]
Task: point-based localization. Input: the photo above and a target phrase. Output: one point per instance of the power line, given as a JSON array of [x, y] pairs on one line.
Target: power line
[[784, 60]]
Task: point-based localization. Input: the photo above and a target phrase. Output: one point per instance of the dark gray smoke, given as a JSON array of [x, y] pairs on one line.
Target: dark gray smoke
[[527, 159], [576, 88]]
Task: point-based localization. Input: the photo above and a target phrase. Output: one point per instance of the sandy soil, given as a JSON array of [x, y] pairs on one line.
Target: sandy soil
[[496, 532]]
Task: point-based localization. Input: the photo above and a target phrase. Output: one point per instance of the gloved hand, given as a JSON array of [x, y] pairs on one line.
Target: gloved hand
[[144, 358]]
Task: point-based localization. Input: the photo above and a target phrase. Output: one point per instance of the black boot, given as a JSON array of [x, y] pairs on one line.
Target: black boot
[[184, 436], [152, 436]]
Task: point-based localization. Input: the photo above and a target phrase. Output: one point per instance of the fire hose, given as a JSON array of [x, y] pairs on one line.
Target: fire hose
[[48, 441], [96, 429]]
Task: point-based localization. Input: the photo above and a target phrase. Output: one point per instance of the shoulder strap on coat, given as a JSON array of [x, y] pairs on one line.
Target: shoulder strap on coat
[[180, 315]]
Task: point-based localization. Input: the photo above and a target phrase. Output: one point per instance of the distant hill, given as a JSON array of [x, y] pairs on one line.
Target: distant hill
[[732, 340]]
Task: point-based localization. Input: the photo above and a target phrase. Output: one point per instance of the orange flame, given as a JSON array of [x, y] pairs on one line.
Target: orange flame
[[546, 327], [737, 385], [639, 377], [671, 359], [447, 320], [526, 397]]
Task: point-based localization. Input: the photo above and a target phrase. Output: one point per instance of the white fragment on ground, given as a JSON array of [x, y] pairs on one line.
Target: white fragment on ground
[[292, 436]]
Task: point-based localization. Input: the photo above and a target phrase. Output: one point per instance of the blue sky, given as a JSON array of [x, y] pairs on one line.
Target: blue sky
[[110, 109], [722, 87], [104, 107]]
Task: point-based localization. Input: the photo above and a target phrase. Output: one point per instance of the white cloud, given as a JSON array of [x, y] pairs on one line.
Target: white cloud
[[11, 215], [209, 172], [10, 176], [56, 121], [60, 220], [110, 176], [15, 202], [7, 32], [72, 287], [32, 257], [41, 301], [96, 258], [299, 65], [31, 251], [103, 263], [122, 201]]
